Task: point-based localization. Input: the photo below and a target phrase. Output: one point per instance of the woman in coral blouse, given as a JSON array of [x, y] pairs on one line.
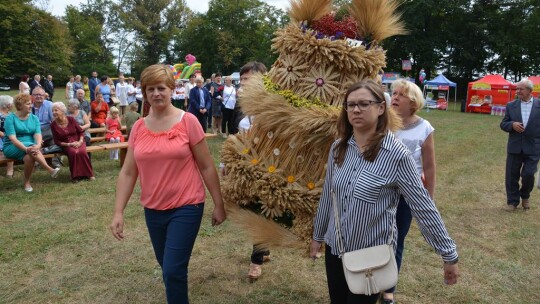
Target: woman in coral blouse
[[166, 149], [99, 109]]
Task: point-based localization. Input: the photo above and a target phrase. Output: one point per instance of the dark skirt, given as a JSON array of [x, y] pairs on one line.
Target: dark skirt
[[216, 108]]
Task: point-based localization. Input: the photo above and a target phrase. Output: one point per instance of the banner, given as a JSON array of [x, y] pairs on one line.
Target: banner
[[406, 65]]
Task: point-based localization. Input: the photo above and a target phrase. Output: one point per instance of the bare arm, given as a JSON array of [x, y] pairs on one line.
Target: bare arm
[[211, 179], [86, 121], [428, 164], [124, 188]]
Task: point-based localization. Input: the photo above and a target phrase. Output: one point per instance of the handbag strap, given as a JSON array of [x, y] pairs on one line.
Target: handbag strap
[[337, 225]]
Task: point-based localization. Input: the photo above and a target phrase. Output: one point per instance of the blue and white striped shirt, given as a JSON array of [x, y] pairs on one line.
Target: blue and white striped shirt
[[367, 196]]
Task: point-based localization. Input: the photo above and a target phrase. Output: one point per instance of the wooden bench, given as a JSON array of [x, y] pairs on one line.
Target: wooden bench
[[122, 146]]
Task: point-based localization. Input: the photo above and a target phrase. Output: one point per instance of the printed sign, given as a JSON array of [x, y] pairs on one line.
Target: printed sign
[[406, 65]]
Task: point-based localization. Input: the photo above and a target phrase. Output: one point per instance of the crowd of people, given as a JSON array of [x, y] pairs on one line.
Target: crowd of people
[[367, 152]]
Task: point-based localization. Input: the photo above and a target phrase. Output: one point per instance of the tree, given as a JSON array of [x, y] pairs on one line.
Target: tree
[[86, 28], [232, 33], [155, 24], [35, 42]]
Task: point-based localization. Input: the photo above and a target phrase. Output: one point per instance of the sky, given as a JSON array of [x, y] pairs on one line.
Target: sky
[[57, 7]]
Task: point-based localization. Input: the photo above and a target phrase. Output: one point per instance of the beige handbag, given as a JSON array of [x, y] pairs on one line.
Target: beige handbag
[[370, 270]]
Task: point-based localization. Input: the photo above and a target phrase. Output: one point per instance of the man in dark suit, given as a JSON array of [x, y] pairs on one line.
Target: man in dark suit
[[522, 122], [92, 84], [49, 87], [34, 83], [200, 102]]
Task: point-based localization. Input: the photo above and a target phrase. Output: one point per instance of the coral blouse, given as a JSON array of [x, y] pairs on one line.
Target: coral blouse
[[168, 173]]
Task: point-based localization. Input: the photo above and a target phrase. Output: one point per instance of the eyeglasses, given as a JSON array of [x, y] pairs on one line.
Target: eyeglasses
[[38, 95], [361, 104]]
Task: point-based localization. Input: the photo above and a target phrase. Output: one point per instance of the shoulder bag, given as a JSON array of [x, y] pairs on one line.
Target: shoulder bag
[[370, 270]]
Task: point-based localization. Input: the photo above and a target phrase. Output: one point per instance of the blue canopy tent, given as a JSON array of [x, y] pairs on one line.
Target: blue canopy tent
[[441, 83]]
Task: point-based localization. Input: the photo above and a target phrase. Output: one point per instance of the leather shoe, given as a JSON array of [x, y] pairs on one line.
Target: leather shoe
[[525, 204], [510, 208], [255, 271]]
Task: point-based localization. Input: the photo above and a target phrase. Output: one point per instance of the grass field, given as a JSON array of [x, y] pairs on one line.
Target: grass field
[[55, 246]]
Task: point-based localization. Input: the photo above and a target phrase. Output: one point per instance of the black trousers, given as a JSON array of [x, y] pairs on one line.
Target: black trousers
[[524, 166], [227, 124], [337, 285]]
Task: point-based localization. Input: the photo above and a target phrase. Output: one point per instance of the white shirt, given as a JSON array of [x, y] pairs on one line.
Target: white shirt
[[131, 96], [138, 93], [526, 107], [121, 93], [229, 97], [179, 93], [414, 137], [188, 87]]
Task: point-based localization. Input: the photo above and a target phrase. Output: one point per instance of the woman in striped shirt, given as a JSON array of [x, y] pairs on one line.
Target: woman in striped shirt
[[368, 168]]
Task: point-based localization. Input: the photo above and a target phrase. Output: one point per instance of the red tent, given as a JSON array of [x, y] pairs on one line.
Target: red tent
[[490, 91], [536, 82]]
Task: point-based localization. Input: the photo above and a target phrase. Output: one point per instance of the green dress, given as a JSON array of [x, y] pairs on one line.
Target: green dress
[[24, 130]]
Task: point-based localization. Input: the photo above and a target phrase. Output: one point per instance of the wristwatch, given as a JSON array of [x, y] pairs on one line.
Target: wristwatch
[[452, 262]]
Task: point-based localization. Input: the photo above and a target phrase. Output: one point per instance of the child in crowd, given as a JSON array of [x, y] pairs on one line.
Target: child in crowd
[[114, 133], [131, 116]]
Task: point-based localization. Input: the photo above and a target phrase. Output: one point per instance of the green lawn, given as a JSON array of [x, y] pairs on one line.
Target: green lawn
[[55, 246]]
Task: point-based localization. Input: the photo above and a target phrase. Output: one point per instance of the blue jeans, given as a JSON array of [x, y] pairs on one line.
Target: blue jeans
[[173, 233], [403, 223]]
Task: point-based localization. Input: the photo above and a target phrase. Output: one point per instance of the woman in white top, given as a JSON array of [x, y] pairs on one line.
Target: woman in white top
[[24, 88], [417, 135], [229, 102], [121, 94], [69, 88]]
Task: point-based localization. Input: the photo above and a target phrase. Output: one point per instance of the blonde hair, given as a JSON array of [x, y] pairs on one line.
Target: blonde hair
[[133, 106], [113, 110], [154, 74], [411, 91], [20, 100]]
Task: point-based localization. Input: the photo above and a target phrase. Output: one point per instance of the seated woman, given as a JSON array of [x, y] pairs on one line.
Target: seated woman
[[99, 109], [5, 108], [70, 136], [23, 139], [81, 118]]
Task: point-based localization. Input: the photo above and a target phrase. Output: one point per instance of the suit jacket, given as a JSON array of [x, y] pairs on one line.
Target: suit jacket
[[195, 100], [92, 84], [32, 84], [527, 142], [48, 86]]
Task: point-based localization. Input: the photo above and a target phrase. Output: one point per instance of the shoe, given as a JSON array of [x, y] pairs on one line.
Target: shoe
[[525, 204], [255, 271], [510, 208], [387, 301], [9, 175], [266, 258], [92, 178], [55, 172], [29, 189]]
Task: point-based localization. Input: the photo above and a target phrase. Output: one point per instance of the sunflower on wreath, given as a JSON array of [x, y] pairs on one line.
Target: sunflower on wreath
[[320, 83], [287, 71]]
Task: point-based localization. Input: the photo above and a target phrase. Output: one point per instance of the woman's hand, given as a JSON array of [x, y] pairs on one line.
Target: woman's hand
[[451, 273], [219, 215], [315, 248], [117, 226]]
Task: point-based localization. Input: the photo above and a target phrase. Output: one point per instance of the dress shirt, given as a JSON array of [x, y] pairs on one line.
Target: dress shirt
[[367, 197], [44, 113], [203, 101], [526, 107]]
